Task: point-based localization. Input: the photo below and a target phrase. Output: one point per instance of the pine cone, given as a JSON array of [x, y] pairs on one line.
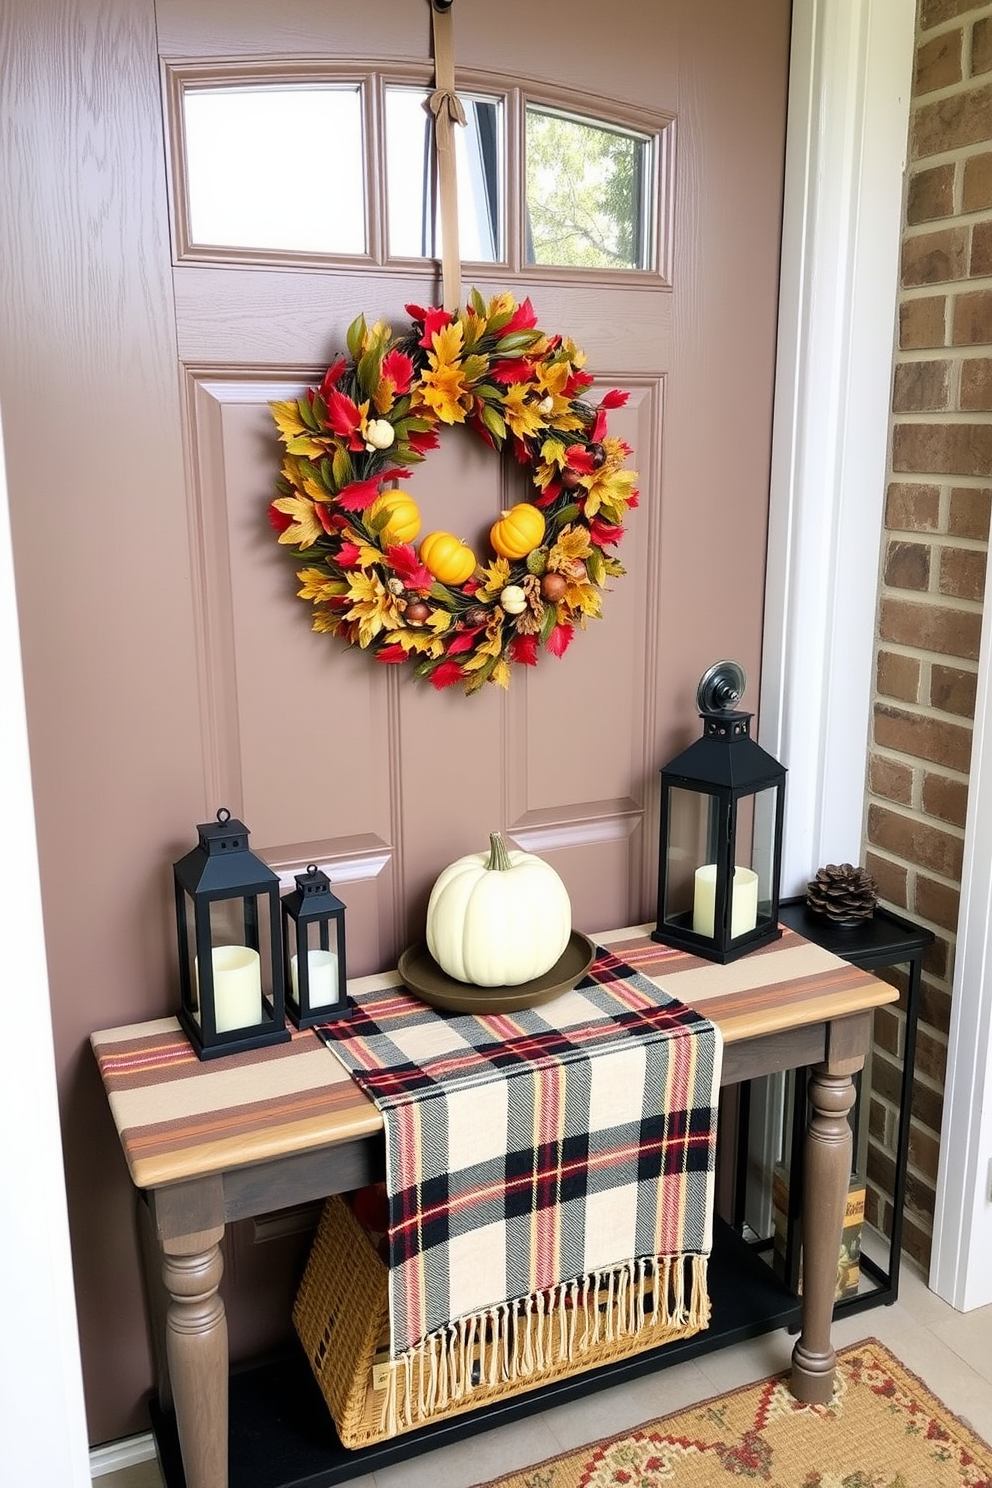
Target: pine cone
[[842, 893]]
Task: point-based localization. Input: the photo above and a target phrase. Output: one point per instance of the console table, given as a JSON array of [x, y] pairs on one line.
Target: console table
[[211, 1142]]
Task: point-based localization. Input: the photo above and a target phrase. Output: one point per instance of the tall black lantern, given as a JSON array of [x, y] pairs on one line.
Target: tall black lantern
[[230, 945], [313, 946], [722, 805]]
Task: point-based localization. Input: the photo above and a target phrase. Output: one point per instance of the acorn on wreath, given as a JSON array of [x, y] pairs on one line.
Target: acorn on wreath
[[842, 893]]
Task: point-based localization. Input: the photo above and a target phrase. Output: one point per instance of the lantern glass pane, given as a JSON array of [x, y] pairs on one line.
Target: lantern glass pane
[[766, 806], [690, 831], [323, 962]]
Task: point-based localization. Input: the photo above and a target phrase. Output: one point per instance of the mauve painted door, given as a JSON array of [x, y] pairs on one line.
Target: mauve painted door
[[219, 693]]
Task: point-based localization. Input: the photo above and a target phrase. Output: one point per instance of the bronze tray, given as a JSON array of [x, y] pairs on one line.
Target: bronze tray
[[427, 981]]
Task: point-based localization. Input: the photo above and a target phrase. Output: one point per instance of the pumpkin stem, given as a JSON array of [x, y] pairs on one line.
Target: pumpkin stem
[[499, 858]]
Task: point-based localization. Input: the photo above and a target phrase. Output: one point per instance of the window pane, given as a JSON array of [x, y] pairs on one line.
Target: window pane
[[414, 232], [255, 158], [587, 194]]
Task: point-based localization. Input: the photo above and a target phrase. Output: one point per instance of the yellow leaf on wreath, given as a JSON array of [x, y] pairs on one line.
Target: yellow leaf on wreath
[[573, 542], [440, 621], [520, 411], [500, 674], [318, 585], [288, 421], [305, 528], [495, 577]]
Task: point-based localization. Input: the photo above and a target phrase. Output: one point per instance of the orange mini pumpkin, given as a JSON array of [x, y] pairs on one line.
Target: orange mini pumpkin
[[518, 531], [447, 557]]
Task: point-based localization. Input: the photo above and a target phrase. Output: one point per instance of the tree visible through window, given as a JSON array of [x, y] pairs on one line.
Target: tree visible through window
[[585, 194]]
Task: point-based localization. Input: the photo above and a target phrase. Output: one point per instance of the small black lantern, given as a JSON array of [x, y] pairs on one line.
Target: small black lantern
[[313, 946], [722, 807], [230, 943]]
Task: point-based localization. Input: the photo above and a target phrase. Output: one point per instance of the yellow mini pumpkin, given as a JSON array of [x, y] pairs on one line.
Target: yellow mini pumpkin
[[400, 517], [447, 557], [518, 531]]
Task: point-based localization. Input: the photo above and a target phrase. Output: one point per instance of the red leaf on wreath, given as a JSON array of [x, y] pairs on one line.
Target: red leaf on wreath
[[398, 367], [422, 440], [403, 560], [391, 653], [343, 418], [598, 430], [560, 639], [348, 554], [613, 399], [523, 648], [603, 533], [360, 494], [279, 520], [579, 458], [325, 517], [435, 319], [576, 383], [446, 675], [522, 319], [463, 641], [516, 369], [332, 377]]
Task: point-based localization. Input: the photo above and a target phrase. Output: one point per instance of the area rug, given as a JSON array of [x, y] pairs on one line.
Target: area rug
[[883, 1429]]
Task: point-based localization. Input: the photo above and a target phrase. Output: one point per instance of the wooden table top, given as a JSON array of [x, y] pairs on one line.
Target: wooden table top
[[180, 1117]]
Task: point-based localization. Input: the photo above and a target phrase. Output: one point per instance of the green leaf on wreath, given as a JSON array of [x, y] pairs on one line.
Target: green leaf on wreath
[[307, 414], [342, 466], [548, 622], [477, 302], [356, 335], [369, 370], [516, 342], [596, 567], [304, 444], [481, 676], [494, 422]]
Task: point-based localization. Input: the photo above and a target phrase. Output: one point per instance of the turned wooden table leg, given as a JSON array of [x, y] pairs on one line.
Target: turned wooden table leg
[[196, 1344], [827, 1175]]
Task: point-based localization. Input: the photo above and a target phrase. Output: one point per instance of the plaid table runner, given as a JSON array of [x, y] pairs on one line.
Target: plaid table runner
[[537, 1163]]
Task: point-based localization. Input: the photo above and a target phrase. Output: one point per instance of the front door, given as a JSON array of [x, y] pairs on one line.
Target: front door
[[162, 632]]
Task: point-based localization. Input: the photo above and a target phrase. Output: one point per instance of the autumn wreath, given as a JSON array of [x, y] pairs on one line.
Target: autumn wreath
[[378, 410]]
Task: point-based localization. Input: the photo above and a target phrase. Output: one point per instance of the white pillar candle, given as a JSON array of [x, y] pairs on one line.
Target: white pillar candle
[[743, 901], [322, 969], [237, 987]]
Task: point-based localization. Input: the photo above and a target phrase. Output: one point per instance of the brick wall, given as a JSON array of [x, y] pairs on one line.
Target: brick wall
[[932, 574]]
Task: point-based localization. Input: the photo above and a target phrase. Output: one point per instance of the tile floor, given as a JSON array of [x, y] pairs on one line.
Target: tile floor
[[951, 1351]]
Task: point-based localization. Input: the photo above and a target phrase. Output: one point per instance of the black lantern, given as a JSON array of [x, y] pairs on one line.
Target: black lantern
[[230, 946], [313, 946], [722, 805]]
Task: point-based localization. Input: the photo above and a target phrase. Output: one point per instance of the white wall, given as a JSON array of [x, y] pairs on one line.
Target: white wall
[[42, 1421]]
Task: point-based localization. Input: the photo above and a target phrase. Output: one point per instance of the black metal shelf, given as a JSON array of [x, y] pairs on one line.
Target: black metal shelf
[[887, 939]]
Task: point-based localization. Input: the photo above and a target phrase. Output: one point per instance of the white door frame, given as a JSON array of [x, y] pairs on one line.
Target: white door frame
[[848, 111]]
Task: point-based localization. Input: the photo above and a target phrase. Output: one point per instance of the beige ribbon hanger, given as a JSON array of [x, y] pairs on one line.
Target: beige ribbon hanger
[[446, 107]]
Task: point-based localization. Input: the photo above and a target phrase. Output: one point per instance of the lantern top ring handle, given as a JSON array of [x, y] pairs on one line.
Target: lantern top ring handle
[[311, 868], [223, 815]]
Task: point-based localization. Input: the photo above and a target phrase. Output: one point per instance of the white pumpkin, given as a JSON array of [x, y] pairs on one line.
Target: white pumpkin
[[498, 919]]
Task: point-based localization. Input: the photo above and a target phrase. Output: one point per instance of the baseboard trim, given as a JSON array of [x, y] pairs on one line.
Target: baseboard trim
[[120, 1454]]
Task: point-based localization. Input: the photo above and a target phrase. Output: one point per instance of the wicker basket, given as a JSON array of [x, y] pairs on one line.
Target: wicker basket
[[341, 1314]]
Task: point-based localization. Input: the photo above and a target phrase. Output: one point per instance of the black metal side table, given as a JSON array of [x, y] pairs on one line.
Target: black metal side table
[[885, 940]]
